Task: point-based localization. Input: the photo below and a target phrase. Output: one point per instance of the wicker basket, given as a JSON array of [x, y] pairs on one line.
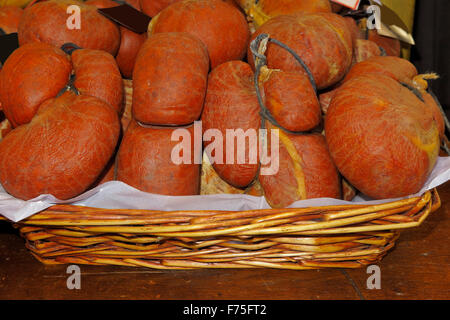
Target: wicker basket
[[318, 237], [349, 236]]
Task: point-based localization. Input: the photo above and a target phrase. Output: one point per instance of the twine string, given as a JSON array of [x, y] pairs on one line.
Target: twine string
[[413, 90], [444, 141], [383, 51], [69, 87], [446, 121], [258, 47], [69, 48]]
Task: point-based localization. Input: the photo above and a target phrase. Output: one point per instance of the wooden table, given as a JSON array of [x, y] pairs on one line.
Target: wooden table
[[417, 268]]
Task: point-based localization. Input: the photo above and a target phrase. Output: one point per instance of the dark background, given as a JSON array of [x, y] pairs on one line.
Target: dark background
[[432, 49]]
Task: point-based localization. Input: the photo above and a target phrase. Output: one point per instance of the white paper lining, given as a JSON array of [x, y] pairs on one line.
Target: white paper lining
[[118, 195]]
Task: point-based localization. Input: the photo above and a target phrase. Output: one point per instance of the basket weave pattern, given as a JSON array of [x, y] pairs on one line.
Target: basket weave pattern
[[309, 238]]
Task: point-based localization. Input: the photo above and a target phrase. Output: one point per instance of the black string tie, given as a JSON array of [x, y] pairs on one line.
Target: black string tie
[[258, 47], [69, 48]]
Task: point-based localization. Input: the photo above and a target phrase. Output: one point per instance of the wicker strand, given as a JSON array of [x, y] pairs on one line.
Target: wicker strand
[[295, 239]]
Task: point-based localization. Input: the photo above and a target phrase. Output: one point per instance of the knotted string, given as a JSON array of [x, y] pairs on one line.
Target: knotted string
[[69, 48], [69, 87]]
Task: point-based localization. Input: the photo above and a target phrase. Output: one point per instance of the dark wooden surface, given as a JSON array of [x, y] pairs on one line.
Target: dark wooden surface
[[417, 268]]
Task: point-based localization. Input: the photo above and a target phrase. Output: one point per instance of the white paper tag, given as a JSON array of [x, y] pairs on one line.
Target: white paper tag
[[352, 4]]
